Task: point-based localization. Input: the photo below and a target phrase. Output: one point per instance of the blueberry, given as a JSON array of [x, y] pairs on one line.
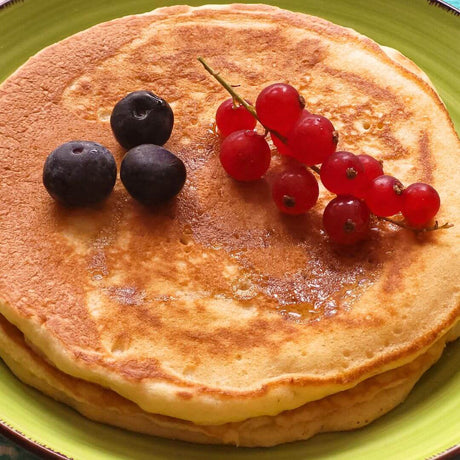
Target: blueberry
[[152, 174], [142, 118], [79, 173]]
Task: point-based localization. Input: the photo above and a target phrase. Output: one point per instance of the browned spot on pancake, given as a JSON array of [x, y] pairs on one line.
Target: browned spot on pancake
[[310, 52], [394, 110], [394, 149], [365, 85], [227, 340], [184, 395], [394, 279], [146, 319], [426, 159], [121, 343], [136, 370]]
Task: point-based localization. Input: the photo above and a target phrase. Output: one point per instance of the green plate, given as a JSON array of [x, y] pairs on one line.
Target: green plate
[[426, 424]]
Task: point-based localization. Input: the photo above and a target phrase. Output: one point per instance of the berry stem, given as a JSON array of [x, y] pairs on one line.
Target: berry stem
[[402, 224], [230, 89], [250, 108]]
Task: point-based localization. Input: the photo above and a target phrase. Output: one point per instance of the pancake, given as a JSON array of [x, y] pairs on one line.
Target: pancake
[[346, 410], [214, 308]]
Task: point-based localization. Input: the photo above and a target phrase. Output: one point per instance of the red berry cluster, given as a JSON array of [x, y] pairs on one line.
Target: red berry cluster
[[359, 182]]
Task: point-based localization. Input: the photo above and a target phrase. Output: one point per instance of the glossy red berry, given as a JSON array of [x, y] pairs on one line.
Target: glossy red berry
[[372, 167], [343, 174], [282, 147], [346, 220], [384, 197], [278, 106], [312, 139], [421, 202], [295, 190], [231, 117], [245, 155]]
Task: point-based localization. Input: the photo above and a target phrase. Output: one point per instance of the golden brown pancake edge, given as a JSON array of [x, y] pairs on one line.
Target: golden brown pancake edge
[[343, 411]]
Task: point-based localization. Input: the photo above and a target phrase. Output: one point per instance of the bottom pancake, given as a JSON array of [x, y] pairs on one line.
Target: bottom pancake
[[342, 411]]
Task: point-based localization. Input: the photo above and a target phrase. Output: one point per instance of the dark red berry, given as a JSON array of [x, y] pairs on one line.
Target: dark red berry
[[421, 202], [312, 139], [295, 190], [245, 155], [343, 174], [278, 107], [346, 220], [384, 196], [231, 117]]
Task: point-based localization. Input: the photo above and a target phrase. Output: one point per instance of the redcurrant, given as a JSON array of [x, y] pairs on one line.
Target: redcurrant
[[372, 168], [421, 202], [282, 147], [245, 155], [231, 117], [295, 190], [384, 196], [343, 174], [312, 139], [278, 106], [346, 220]]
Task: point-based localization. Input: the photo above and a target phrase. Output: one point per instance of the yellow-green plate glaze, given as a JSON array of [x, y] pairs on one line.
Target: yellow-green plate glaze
[[427, 423]]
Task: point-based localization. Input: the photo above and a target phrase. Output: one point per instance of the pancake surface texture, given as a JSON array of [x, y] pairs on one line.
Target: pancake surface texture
[[215, 308]]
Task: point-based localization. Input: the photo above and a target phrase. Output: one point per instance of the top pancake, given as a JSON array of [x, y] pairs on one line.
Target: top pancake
[[215, 307]]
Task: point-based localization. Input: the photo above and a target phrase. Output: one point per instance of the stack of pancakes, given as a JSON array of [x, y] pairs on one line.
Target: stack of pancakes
[[214, 318]]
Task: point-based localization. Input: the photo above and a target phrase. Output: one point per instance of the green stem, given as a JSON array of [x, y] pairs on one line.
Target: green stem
[[402, 224], [251, 109], [232, 92]]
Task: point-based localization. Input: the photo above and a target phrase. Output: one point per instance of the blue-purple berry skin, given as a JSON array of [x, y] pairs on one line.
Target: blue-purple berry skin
[[151, 174], [79, 173], [141, 117]]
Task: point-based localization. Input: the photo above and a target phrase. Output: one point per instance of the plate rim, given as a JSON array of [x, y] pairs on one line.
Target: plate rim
[[47, 453], [32, 446]]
